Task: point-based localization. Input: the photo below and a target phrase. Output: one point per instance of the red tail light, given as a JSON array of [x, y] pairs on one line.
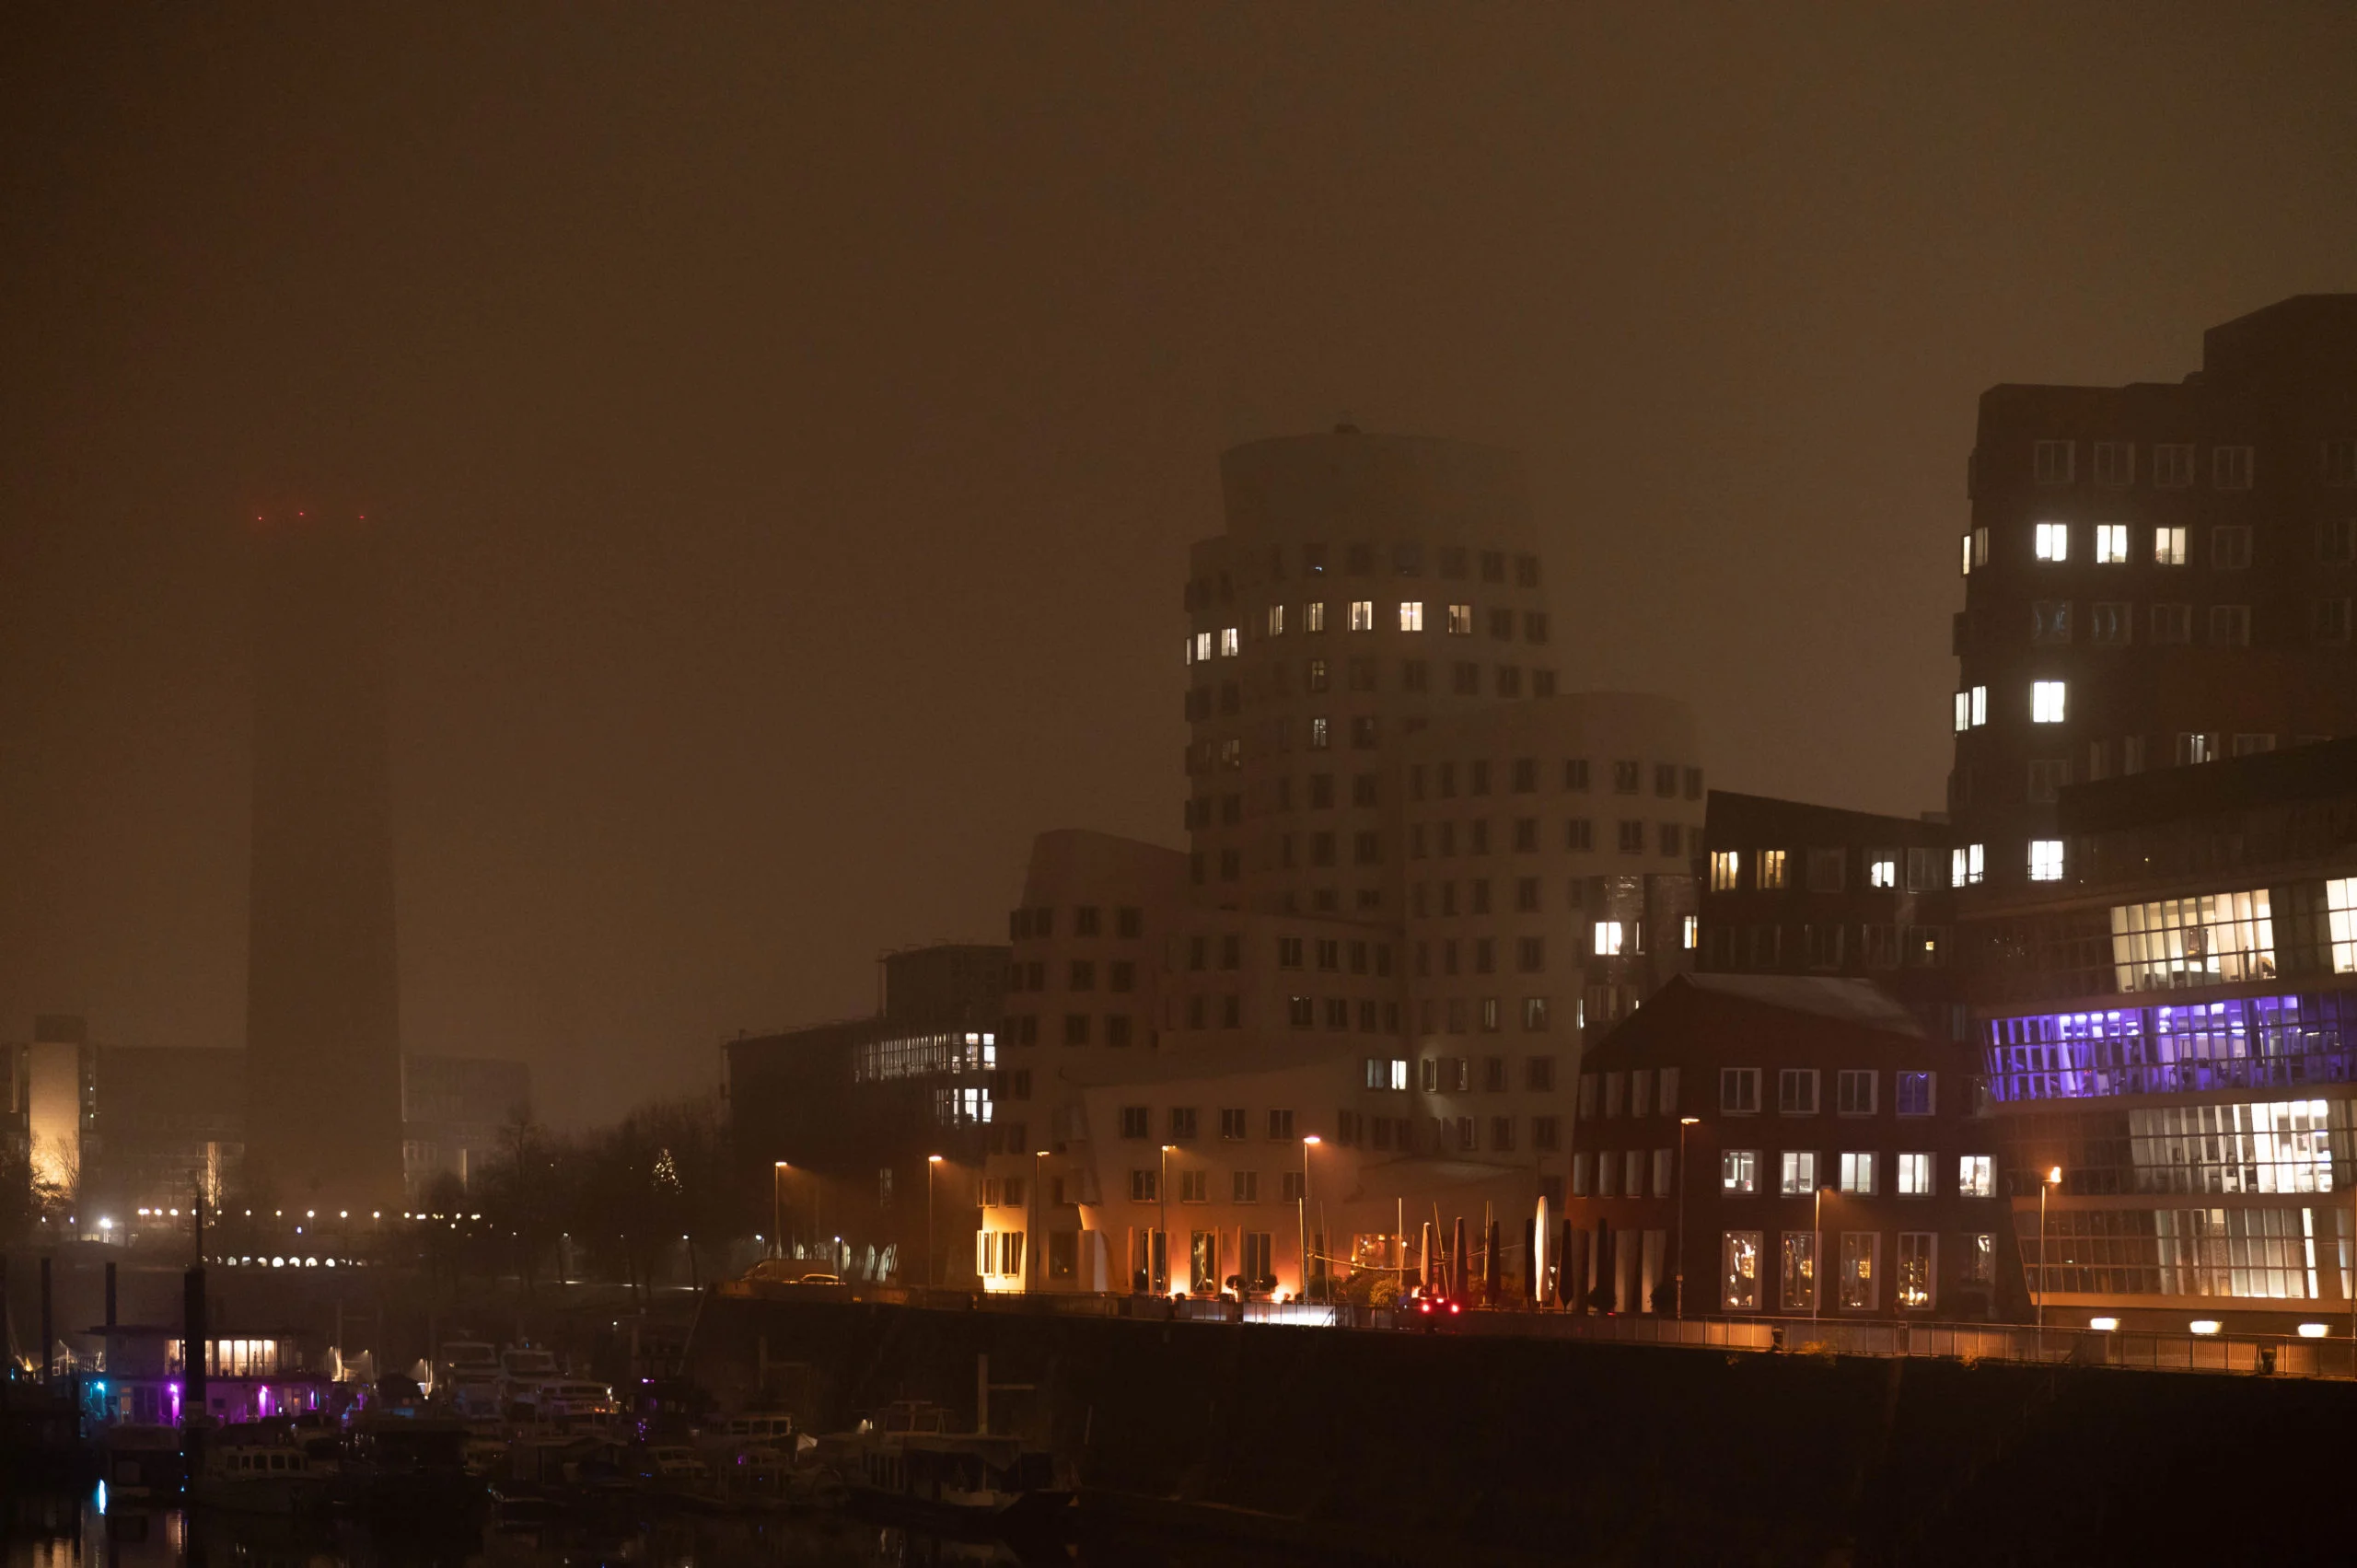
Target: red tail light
[[1425, 1307], [1454, 1309]]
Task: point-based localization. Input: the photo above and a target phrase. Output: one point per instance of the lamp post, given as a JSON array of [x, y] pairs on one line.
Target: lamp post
[[2053, 1180], [1162, 1200], [1307, 1144], [1683, 1124], [777, 1206], [1037, 1207], [1816, 1257], [932, 1163]]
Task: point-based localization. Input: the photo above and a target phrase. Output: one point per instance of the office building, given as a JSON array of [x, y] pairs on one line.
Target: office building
[[1420, 868], [2156, 575], [838, 1124], [1794, 1145], [1797, 889], [2171, 1041]]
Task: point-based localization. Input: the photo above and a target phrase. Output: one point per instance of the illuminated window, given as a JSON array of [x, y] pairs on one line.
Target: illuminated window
[[1411, 615], [1980, 1259], [2111, 544], [1609, 938], [2169, 547], [1915, 1175], [1882, 869], [1861, 1254], [1320, 734], [1693, 933], [1461, 619], [1725, 866], [1917, 1265], [2046, 860], [1203, 647], [1739, 1271], [2171, 466], [1797, 1173], [1967, 866], [2340, 907], [1231, 642], [2211, 939], [2046, 701], [1800, 1271], [1276, 620], [1916, 1094], [1739, 1170], [1362, 615], [1770, 864], [1976, 1176], [2053, 542], [2198, 746]]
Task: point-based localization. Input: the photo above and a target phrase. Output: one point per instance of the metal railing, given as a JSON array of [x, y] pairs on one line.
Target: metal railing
[[2251, 1354]]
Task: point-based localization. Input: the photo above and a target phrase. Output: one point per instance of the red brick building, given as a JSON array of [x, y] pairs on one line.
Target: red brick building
[[1813, 1127]]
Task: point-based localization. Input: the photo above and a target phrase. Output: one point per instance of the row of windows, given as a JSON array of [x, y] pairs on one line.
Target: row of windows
[[1405, 560], [2113, 624], [1857, 1172], [1366, 615], [1855, 1092], [1669, 839], [1087, 920], [1522, 774], [2048, 703], [2174, 464], [1528, 898], [1488, 1015], [1455, 1074], [1825, 944], [1229, 698], [1826, 870], [2120, 544], [1184, 1121], [1079, 1029], [1120, 974], [1858, 1275]]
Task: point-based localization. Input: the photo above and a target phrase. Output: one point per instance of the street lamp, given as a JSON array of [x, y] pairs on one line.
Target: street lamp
[[1817, 1257], [1683, 1124], [2053, 1180], [1032, 1264], [777, 1206], [1162, 1198], [1307, 1144], [932, 1163]]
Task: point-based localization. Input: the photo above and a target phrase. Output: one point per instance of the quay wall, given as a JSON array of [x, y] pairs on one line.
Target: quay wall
[[1494, 1448]]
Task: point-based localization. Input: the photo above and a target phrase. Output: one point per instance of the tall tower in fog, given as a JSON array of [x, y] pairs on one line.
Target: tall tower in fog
[[324, 1115]]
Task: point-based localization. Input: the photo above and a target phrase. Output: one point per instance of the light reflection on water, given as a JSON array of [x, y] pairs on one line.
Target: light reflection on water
[[74, 1531]]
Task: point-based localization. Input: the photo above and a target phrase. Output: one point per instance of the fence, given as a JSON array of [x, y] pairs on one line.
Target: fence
[[2261, 1354]]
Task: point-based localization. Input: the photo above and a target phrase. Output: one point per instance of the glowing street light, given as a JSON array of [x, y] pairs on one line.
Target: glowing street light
[[1308, 1142], [2053, 1180], [777, 1206], [1683, 1124], [931, 1164]]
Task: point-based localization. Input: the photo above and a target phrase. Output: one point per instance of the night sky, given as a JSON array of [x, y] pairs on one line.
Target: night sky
[[788, 426]]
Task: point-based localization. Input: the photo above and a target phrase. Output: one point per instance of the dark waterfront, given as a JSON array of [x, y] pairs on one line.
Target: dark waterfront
[[89, 1529]]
